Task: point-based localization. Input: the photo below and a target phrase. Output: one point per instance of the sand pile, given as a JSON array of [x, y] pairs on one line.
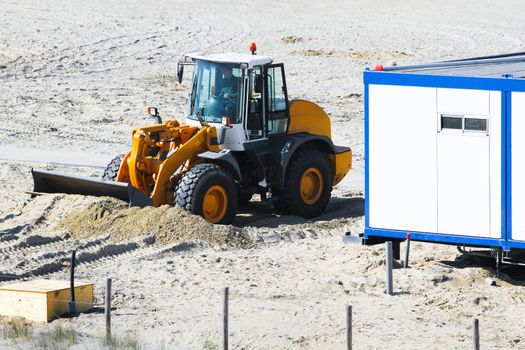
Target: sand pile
[[168, 224]]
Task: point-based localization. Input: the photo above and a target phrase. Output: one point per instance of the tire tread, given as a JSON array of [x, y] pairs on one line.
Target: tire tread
[[111, 171], [186, 188]]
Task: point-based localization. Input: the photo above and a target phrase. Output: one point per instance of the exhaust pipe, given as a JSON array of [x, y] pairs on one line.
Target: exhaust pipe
[[51, 182]]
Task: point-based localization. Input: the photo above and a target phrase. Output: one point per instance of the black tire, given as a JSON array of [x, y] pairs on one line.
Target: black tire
[[289, 200], [196, 182], [111, 171]]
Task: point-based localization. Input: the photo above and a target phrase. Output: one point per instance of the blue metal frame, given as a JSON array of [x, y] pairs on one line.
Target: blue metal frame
[[367, 201], [506, 167], [504, 84], [441, 81], [437, 237]]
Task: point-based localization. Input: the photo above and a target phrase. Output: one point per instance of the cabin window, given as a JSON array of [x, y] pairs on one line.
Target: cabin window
[[451, 122], [475, 124]]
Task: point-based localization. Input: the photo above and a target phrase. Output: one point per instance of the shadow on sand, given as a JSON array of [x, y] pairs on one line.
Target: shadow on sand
[[512, 274], [263, 214]]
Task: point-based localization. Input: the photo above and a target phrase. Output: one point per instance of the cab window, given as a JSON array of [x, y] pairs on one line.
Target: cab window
[[277, 100]]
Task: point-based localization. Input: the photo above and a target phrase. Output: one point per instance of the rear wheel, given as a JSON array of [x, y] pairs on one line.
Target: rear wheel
[[307, 185], [111, 171], [209, 191]]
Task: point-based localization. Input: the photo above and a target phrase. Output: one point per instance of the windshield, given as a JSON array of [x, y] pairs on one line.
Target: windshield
[[216, 92]]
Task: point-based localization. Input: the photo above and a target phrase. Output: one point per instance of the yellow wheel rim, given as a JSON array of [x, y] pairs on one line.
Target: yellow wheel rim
[[215, 204], [311, 186]]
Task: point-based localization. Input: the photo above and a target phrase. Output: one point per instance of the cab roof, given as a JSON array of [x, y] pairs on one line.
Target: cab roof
[[231, 57]]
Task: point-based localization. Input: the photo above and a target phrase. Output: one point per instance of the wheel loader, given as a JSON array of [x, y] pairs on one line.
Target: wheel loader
[[242, 136]]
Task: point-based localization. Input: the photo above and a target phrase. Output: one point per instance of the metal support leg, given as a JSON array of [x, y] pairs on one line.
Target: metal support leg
[[499, 258], [396, 246]]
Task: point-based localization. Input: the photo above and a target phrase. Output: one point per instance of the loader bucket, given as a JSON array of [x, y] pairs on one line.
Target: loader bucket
[[51, 182]]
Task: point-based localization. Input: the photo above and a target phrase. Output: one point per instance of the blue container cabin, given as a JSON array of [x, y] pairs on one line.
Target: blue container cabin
[[445, 153]]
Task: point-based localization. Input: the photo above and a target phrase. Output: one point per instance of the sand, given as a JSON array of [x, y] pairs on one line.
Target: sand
[[166, 223], [77, 76]]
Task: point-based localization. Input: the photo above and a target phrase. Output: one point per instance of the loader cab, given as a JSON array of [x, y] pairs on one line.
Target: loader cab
[[217, 93], [244, 96]]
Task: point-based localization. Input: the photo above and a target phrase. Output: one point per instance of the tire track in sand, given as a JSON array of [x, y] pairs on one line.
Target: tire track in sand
[[54, 260]]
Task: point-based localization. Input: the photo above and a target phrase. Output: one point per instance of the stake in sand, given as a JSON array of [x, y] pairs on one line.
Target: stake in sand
[[407, 250], [72, 305], [475, 333], [349, 327], [389, 259], [107, 307], [225, 317]]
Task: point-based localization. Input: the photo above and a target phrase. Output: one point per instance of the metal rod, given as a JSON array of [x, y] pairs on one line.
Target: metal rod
[[455, 64], [107, 307], [407, 250], [389, 260], [349, 327], [72, 304], [512, 54], [225, 318], [475, 333]]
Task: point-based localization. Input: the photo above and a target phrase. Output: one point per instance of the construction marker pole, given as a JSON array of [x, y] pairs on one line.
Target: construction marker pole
[[475, 333], [389, 260], [107, 307], [349, 327], [225, 317], [72, 305], [407, 250]]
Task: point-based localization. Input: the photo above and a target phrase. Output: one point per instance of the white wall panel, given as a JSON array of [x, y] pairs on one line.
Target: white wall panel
[[463, 184], [463, 101], [518, 166], [495, 164], [402, 158]]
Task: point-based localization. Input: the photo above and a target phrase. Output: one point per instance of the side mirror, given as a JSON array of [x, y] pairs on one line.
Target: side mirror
[[258, 84], [154, 113], [180, 72]]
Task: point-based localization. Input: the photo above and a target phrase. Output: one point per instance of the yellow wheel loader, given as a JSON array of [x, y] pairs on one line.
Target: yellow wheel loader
[[242, 136]]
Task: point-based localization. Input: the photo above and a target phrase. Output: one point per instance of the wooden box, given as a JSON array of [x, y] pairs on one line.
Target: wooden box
[[42, 300]]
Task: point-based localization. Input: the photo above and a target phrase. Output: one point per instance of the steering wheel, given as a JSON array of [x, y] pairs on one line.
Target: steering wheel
[[227, 102]]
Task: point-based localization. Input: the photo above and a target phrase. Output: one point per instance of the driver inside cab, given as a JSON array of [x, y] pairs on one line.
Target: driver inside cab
[[228, 85], [225, 93]]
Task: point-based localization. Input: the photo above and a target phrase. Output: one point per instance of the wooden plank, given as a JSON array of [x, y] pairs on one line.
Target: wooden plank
[[43, 300], [58, 301], [40, 285], [31, 306]]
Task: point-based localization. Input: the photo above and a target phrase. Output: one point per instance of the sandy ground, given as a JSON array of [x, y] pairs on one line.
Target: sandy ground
[[77, 76]]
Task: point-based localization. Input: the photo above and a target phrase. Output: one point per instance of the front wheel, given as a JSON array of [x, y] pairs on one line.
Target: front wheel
[[307, 185], [208, 190]]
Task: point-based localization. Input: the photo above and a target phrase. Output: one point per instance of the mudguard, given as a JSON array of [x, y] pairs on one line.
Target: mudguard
[[224, 159], [284, 147]]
